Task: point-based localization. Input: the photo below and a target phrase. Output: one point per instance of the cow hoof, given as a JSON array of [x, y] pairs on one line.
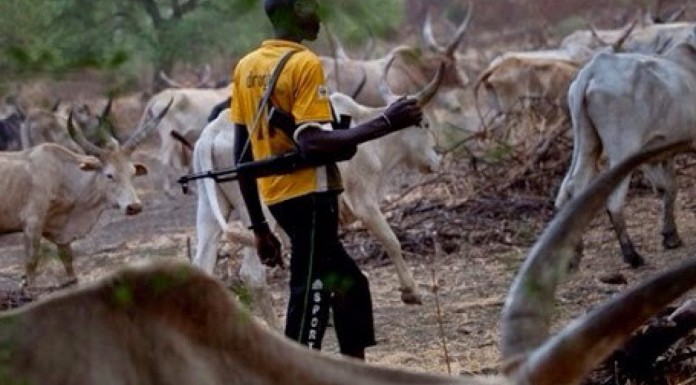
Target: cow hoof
[[409, 297], [672, 241], [634, 259]]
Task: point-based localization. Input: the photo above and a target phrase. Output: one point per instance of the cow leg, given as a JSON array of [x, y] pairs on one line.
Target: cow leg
[[253, 273], [208, 232], [582, 171], [65, 254], [374, 221], [32, 241], [615, 211], [663, 178]]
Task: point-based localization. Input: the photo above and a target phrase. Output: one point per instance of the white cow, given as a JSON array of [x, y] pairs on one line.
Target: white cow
[[363, 178], [53, 192], [186, 119], [619, 103], [412, 68], [172, 324]]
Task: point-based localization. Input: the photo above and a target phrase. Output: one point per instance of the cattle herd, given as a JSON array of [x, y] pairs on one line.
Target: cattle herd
[[628, 94]]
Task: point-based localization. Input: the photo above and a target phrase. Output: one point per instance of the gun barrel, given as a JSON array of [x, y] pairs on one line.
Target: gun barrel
[[281, 164]]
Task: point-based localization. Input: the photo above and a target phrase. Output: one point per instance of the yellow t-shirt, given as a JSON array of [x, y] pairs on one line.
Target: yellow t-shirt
[[300, 90]]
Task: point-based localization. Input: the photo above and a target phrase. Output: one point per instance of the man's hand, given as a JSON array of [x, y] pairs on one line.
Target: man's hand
[[403, 113], [268, 247]]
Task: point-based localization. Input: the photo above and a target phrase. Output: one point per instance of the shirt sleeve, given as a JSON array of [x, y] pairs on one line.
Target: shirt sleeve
[[236, 109], [311, 94]]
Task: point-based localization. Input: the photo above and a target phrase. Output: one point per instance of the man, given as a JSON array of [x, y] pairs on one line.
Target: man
[[305, 201]]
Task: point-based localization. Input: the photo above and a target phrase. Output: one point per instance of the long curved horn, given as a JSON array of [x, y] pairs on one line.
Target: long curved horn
[[426, 94], [527, 312], [106, 110], [482, 78], [617, 45], [203, 76], [169, 81], [361, 85], [449, 51], [676, 15], [79, 137], [142, 132], [337, 49], [429, 37], [383, 86]]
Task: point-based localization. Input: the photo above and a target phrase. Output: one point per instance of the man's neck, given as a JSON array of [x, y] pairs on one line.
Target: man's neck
[[285, 35]]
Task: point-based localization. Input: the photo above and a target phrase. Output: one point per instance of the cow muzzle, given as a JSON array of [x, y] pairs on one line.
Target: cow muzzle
[[134, 208]]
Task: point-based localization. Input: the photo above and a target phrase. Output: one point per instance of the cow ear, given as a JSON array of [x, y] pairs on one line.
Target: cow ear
[[140, 169], [90, 163]]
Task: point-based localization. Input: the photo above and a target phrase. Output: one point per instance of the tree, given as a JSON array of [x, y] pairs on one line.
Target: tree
[[127, 37]]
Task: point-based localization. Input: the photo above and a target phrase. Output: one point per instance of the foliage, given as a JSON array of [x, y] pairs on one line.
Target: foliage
[[125, 36]]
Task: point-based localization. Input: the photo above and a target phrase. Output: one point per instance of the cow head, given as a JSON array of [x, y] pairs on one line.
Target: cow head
[[419, 140], [115, 169], [98, 129]]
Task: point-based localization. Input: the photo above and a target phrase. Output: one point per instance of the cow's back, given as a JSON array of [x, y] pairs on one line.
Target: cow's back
[[32, 182]]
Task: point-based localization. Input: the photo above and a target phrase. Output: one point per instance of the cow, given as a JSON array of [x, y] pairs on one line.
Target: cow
[[42, 126], [619, 103], [169, 323], [184, 121], [513, 83], [10, 122], [202, 79], [412, 68], [656, 38], [53, 192], [363, 178]]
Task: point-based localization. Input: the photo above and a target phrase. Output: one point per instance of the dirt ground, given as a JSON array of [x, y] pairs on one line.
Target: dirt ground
[[481, 253]]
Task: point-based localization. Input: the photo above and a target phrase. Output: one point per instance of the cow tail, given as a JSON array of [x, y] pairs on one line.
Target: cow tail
[[203, 161], [582, 126]]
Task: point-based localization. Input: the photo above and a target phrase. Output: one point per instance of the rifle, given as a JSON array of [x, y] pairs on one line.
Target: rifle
[[275, 165]]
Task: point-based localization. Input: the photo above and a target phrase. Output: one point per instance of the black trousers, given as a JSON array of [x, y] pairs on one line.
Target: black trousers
[[323, 275]]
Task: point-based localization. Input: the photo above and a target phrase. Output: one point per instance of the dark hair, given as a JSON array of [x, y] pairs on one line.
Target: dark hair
[[276, 9]]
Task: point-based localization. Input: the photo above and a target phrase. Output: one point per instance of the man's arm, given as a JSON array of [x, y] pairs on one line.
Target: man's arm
[[401, 114], [267, 244], [250, 192]]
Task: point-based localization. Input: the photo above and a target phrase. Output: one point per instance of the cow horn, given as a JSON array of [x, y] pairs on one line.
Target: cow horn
[[676, 15], [169, 81], [429, 37], [335, 44], [426, 94], [370, 47], [79, 137], [617, 45], [142, 131], [383, 85], [361, 85], [449, 51], [566, 358], [203, 76], [107, 109]]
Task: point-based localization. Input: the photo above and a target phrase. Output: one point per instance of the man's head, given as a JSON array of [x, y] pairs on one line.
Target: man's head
[[293, 19]]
